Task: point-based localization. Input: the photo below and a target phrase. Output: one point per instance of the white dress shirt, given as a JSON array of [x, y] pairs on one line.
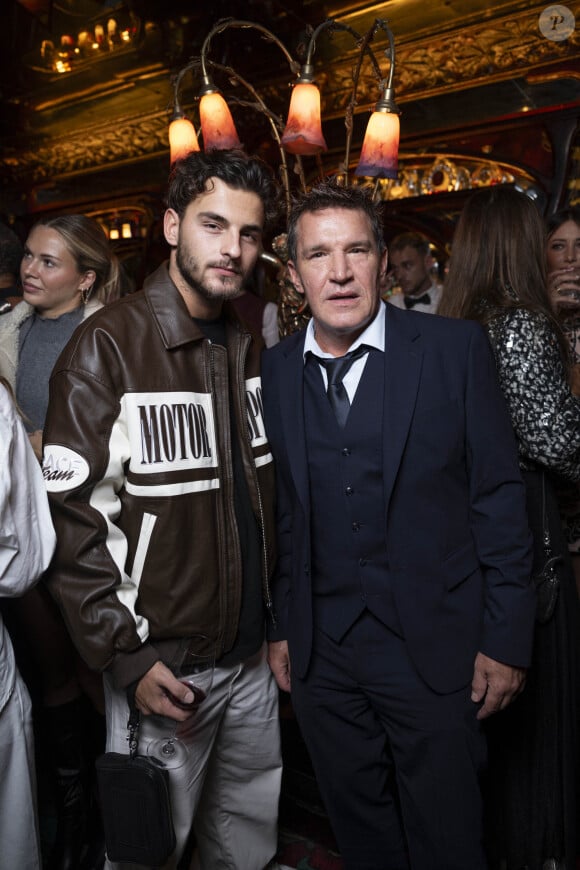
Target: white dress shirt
[[373, 336]]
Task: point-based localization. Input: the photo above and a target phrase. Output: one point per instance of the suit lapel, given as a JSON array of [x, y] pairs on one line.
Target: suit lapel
[[292, 411], [403, 362]]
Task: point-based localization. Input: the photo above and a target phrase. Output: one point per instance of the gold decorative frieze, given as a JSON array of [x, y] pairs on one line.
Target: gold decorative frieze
[[429, 174], [469, 56], [98, 147]]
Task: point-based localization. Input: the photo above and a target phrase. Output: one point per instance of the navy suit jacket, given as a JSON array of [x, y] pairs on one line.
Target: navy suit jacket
[[457, 537]]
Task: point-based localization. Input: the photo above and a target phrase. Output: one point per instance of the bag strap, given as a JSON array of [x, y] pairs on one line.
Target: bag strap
[[545, 527], [133, 730]]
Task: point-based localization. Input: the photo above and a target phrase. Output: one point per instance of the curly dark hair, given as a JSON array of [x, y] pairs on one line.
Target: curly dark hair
[[189, 178]]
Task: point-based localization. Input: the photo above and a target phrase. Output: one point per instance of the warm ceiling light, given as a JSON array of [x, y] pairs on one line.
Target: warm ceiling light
[[303, 132], [182, 137], [217, 125], [379, 153]]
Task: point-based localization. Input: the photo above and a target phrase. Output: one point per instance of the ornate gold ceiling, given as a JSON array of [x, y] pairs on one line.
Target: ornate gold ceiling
[[463, 68]]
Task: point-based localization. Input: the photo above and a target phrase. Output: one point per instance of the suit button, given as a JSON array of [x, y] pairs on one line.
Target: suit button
[[345, 451], [356, 527], [349, 490]]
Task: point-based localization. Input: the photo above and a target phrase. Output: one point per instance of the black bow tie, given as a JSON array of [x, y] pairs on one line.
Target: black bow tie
[[411, 301]]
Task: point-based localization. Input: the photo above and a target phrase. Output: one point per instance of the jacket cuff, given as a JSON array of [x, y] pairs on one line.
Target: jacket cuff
[[276, 632], [128, 668]]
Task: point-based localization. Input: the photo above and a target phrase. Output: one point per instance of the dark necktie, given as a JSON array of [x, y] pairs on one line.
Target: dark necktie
[[336, 369], [411, 301]]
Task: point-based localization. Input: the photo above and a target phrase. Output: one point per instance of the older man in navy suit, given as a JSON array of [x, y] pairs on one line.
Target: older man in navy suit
[[405, 610]]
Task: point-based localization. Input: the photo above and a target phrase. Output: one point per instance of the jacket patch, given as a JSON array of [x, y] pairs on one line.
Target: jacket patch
[[63, 468], [170, 431], [255, 412]]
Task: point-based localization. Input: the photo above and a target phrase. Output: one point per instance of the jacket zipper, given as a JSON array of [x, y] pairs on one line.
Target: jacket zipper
[[242, 397], [220, 469]]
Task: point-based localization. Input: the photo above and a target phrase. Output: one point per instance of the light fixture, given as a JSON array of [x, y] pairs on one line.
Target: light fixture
[[380, 148], [217, 124], [303, 131], [223, 134], [182, 137], [302, 134]]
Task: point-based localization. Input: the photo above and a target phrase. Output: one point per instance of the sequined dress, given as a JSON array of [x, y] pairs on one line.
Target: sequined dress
[[531, 806], [569, 493]]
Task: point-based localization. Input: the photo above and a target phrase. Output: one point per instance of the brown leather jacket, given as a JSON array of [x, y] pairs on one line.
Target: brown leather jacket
[[137, 461]]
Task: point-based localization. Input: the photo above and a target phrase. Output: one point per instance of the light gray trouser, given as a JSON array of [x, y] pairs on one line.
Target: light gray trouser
[[229, 784], [19, 839]]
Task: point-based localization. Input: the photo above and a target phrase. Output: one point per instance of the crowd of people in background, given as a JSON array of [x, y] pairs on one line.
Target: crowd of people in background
[[402, 557]]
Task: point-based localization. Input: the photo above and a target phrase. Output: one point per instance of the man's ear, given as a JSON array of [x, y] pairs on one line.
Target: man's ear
[[295, 278], [384, 262], [171, 227]]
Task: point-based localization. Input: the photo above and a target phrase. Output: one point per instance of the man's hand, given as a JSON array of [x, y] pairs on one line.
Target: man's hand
[[279, 662], [153, 691], [495, 684]]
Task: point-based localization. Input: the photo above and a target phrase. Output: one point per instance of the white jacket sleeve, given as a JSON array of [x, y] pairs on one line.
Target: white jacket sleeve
[[27, 537]]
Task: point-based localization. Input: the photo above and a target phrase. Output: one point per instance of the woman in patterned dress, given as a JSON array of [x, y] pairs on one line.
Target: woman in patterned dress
[[563, 259], [497, 276]]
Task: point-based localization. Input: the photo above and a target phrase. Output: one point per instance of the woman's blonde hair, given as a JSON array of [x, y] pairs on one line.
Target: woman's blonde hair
[[87, 243]]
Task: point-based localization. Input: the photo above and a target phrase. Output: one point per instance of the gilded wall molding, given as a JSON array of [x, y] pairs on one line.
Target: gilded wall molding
[[470, 56], [101, 146]]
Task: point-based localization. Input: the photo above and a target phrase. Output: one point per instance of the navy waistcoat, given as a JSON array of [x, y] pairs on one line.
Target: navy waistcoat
[[349, 554]]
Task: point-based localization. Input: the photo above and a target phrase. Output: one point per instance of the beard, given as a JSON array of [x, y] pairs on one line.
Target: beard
[[216, 290]]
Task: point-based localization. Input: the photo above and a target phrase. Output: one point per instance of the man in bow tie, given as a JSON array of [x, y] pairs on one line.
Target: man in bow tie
[[412, 263], [402, 591]]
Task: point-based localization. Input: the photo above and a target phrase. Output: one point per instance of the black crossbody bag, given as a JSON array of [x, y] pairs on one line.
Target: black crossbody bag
[[135, 804]]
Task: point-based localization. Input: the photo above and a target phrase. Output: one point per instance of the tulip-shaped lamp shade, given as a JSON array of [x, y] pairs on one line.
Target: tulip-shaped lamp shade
[[217, 124], [182, 138], [379, 153], [303, 132]]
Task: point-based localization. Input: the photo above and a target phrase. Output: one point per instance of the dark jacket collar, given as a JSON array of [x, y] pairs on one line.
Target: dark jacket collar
[[169, 310]]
